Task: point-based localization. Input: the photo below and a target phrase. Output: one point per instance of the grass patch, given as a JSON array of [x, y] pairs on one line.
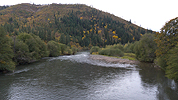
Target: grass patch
[[127, 57], [94, 53], [130, 55]]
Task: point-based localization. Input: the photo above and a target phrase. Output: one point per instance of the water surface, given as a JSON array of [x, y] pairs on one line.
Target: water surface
[[77, 77]]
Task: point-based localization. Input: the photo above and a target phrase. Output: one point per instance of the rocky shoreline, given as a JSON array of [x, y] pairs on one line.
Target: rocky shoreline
[[113, 59]]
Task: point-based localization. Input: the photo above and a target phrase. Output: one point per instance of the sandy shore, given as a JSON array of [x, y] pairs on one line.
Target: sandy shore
[[113, 59]]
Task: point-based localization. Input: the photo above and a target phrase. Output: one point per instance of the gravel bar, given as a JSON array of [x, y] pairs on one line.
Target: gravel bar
[[113, 59]]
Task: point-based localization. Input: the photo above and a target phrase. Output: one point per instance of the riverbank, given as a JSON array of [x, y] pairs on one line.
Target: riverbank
[[113, 59]]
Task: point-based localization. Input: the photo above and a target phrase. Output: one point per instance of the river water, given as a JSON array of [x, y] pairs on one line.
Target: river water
[[77, 77]]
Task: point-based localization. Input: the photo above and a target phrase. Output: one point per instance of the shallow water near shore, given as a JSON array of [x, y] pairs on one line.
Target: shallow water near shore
[[77, 77]]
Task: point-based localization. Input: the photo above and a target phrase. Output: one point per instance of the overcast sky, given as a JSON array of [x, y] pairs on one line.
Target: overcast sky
[[150, 14]]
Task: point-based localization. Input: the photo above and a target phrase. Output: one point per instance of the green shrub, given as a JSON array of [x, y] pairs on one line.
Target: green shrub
[[118, 46], [68, 51], [104, 52], [145, 48], [161, 61], [94, 49], [74, 50], [128, 48], [62, 48], [54, 49]]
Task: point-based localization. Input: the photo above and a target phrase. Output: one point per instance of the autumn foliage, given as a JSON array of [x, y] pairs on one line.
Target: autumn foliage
[[167, 48]]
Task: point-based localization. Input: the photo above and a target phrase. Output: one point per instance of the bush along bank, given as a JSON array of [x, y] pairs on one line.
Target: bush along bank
[[143, 50], [116, 50]]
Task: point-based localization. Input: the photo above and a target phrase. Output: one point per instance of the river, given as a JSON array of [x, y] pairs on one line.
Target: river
[[77, 77]]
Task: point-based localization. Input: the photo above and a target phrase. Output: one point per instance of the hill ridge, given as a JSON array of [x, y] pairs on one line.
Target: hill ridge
[[81, 22]]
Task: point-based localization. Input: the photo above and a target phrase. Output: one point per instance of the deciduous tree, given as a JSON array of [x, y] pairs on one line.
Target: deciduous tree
[[6, 52], [145, 48]]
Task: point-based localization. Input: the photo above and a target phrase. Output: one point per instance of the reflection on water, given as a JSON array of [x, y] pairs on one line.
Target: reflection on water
[[77, 77]]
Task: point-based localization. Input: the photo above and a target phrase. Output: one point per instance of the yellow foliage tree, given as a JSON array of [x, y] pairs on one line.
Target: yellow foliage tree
[[99, 31], [91, 30], [83, 37], [133, 38], [88, 32], [119, 39], [84, 32], [115, 37], [105, 26], [114, 32]]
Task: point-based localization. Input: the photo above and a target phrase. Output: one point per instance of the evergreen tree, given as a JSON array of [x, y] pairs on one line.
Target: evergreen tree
[[67, 39]]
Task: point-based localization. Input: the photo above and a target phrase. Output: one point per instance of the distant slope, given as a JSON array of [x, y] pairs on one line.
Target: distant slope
[[78, 23]]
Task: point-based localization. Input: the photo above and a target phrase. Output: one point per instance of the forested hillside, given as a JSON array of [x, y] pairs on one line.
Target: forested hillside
[[69, 24]]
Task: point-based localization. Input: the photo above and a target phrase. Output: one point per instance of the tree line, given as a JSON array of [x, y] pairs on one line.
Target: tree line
[[26, 48]]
